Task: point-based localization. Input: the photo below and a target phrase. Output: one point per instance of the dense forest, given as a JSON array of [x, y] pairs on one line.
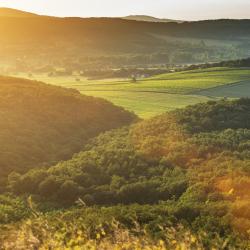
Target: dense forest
[[29, 42], [240, 63], [127, 72], [42, 124], [189, 166]]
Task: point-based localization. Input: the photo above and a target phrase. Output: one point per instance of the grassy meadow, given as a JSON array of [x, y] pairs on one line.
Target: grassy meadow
[[152, 96]]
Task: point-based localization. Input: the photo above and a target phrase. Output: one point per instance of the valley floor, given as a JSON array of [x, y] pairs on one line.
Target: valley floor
[[152, 96]]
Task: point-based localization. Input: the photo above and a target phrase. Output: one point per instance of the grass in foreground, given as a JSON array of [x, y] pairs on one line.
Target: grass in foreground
[[67, 231]]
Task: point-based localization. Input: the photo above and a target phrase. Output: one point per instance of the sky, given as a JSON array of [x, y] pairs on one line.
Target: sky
[[173, 9]]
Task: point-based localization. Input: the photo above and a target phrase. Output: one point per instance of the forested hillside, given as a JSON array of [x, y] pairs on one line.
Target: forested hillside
[[33, 42], [239, 63], [88, 29], [194, 161], [42, 124], [124, 133]]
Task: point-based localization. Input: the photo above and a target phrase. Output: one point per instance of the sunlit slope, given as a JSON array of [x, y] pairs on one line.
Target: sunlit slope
[[150, 96], [54, 38], [148, 104], [42, 124], [186, 167], [194, 136], [8, 12], [111, 228], [186, 82], [196, 159]]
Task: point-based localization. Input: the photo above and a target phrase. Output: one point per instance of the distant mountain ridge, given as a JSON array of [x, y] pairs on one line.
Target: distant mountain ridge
[[146, 18], [46, 40], [9, 12]]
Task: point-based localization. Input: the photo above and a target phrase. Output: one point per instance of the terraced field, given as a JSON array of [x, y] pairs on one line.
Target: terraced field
[[151, 96]]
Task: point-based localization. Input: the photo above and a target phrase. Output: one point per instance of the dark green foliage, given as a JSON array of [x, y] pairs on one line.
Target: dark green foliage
[[106, 173], [124, 166], [119, 42], [199, 172], [42, 124], [214, 116], [241, 63], [48, 186]]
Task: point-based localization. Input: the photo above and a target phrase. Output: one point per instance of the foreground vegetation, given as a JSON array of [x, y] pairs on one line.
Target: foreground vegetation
[[187, 169], [122, 227]]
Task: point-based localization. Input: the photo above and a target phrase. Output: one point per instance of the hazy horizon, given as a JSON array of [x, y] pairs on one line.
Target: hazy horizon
[[190, 10]]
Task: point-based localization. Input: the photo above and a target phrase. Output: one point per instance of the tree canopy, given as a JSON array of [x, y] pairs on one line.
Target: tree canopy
[[42, 124]]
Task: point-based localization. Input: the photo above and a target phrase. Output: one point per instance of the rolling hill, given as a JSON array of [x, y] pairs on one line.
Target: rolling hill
[[79, 172], [187, 166], [189, 139], [144, 18], [8, 12], [42, 124], [39, 40]]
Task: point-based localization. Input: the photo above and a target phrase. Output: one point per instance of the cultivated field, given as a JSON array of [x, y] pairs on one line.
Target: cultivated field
[[151, 96], [235, 90]]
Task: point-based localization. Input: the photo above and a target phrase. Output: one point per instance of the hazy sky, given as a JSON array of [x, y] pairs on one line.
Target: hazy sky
[[178, 9]]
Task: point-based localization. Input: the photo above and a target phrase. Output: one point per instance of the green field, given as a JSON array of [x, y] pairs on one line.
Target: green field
[[151, 96], [238, 90]]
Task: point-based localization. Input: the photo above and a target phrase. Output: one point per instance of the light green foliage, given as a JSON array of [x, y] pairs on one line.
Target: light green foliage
[[151, 96], [118, 228], [12, 209]]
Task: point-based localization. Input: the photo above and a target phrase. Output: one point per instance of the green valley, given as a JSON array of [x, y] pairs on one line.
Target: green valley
[[126, 131], [151, 96]]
